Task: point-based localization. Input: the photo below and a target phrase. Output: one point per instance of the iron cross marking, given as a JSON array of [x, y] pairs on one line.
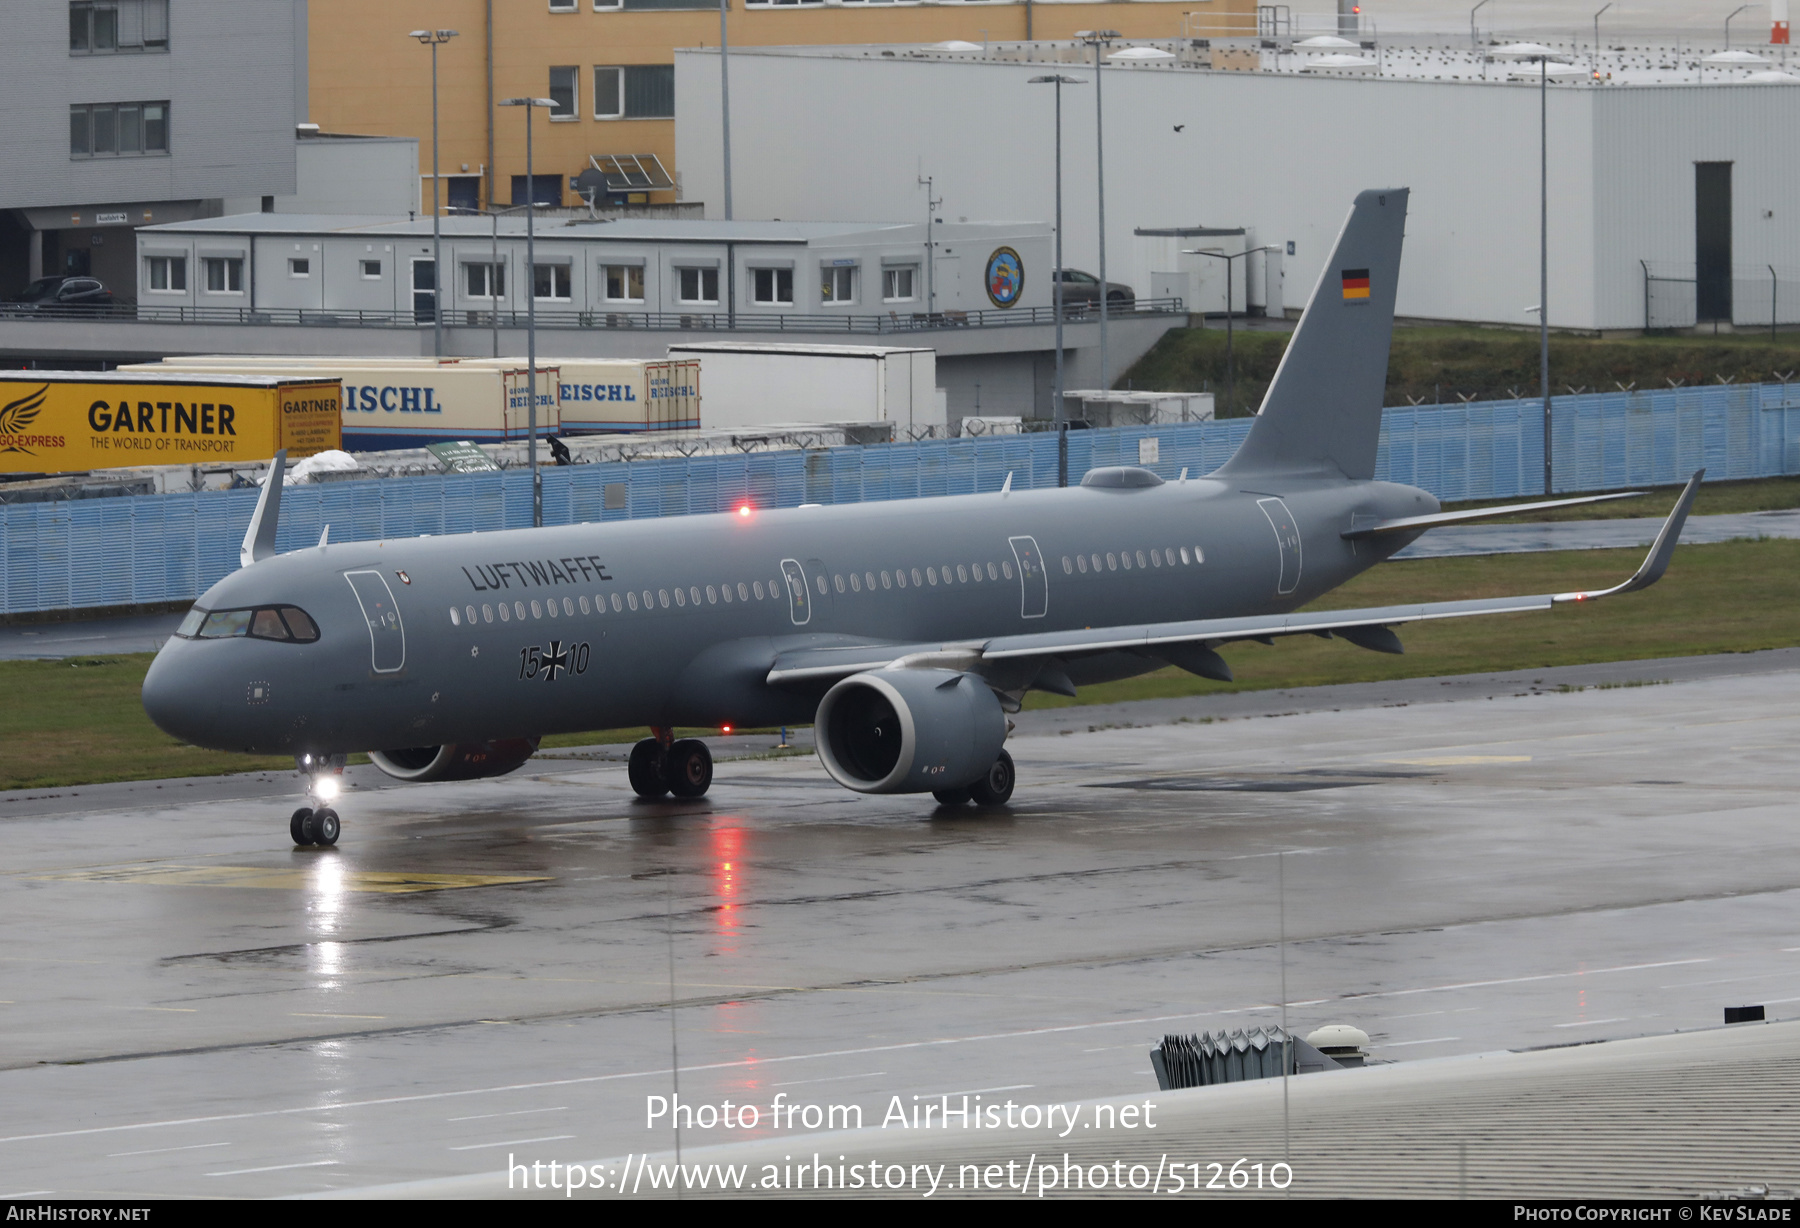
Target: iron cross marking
[[556, 659]]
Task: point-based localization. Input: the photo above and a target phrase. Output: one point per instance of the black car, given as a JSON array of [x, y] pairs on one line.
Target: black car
[[1079, 288], [56, 294]]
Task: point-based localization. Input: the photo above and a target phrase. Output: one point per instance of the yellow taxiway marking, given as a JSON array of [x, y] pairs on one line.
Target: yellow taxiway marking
[[389, 882], [1460, 760]]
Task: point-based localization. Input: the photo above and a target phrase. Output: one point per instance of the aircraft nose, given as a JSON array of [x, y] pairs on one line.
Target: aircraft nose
[[178, 698]]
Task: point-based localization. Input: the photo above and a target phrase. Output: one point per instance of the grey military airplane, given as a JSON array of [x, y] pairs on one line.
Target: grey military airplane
[[904, 631]]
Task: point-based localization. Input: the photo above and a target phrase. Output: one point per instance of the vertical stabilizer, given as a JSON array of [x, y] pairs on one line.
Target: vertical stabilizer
[[1322, 414]]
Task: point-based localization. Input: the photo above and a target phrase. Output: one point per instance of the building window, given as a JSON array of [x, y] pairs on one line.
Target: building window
[[118, 129], [105, 27], [624, 283], [563, 6], [697, 285], [299, 266], [550, 281], [837, 283], [563, 93], [634, 91], [224, 274], [609, 93], [772, 286], [484, 280], [371, 269], [766, 4], [166, 273], [900, 284]]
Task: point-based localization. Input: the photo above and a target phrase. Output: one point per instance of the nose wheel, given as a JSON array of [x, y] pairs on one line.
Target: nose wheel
[[316, 823], [320, 827]]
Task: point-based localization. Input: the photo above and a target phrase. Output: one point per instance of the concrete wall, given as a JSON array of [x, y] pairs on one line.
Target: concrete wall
[[233, 77], [1279, 154]]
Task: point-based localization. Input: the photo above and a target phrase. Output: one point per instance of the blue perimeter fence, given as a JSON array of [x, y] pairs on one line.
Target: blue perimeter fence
[[156, 548]]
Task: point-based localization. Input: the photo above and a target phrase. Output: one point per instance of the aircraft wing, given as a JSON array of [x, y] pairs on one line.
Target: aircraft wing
[[1367, 626]]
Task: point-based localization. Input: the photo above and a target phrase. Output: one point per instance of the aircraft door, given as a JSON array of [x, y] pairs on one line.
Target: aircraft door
[[1034, 581], [387, 637], [799, 600], [1287, 541]]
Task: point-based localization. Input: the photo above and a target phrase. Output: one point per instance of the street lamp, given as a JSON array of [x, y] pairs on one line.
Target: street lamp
[[1056, 288], [1602, 9], [435, 39], [495, 281], [537, 481], [1230, 363], [1098, 40], [1543, 56]]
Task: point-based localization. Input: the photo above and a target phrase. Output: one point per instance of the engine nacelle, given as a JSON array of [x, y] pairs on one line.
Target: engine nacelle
[[455, 761], [909, 731]]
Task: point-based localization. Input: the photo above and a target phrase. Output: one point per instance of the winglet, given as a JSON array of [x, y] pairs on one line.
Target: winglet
[[259, 538], [1657, 561]]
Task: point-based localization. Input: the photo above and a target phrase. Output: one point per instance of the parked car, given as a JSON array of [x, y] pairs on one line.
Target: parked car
[[60, 293], [1080, 287]]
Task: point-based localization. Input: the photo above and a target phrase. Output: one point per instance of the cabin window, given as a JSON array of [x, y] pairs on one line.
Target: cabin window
[[743, 591], [1112, 562], [631, 599], [931, 575], [1006, 569], [455, 617], [1068, 566], [756, 587], [840, 583], [887, 581], [712, 595], [584, 603], [1199, 555], [537, 611], [1140, 559]]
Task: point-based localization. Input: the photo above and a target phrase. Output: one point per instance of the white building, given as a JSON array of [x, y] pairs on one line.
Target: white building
[[1680, 181], [819, 274]]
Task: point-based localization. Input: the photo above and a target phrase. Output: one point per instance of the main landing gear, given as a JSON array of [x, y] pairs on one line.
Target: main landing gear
[[661, 765], [993, 789], [316, 823]]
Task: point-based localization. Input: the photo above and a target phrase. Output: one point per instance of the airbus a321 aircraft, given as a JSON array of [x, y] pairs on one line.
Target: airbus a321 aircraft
[[905, 631]]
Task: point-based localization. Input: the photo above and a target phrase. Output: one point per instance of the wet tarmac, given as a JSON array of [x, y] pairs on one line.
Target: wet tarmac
[[486, 970]]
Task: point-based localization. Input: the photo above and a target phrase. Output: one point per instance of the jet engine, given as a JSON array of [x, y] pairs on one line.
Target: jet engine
[[455, 761], [909, 731]]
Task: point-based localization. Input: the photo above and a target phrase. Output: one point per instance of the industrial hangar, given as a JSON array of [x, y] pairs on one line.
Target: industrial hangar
[[1634, 170]]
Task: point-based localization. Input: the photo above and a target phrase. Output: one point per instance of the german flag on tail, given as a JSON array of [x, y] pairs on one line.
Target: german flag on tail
[[1356, 285]]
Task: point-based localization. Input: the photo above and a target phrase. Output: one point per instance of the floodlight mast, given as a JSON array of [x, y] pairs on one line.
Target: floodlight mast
[[537, 480]]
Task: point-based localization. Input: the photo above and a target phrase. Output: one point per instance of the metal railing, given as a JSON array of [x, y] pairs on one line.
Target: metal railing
[[699, 319]]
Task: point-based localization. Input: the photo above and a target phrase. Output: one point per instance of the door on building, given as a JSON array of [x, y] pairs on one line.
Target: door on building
[[77, 262], [424, 286], [947, 284], [1712, 241]]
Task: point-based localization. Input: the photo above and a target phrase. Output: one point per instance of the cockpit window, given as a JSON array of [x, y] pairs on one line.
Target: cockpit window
[[223, 624], [300, 623], [287, 623]]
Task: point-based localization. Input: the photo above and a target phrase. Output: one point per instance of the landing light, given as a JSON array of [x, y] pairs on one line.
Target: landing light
[[326, 788], [744, 510]]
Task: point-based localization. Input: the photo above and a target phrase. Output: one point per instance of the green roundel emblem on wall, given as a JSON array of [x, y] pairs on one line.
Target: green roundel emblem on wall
[[1005, 277]]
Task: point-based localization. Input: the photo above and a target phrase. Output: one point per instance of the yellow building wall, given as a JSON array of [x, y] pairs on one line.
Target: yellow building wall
[[366, 76]]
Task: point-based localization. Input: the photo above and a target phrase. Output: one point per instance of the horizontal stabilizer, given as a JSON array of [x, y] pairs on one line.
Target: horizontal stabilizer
[[1408, 523]]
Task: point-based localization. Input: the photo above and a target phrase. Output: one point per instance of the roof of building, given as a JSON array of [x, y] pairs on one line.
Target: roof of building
[[634, 230]]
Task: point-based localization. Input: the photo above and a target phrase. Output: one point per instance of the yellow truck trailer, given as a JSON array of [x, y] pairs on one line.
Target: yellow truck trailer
[[71, 421]]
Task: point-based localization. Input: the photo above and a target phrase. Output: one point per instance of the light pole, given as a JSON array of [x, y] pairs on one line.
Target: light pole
[[1056, 289], [1543, 55], [1230, 363], [435, 39], [1597, 13], [1099, 40], [931, 204], [495, 280], [725, 101], [537, 481], [1734, 12], [1474, 37]]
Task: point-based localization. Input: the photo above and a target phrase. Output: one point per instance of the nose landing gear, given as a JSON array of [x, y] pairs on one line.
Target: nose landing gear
[[318, 824]]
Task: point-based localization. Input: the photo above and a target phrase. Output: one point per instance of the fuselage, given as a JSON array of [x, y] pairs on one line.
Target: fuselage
[[678, 621]]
